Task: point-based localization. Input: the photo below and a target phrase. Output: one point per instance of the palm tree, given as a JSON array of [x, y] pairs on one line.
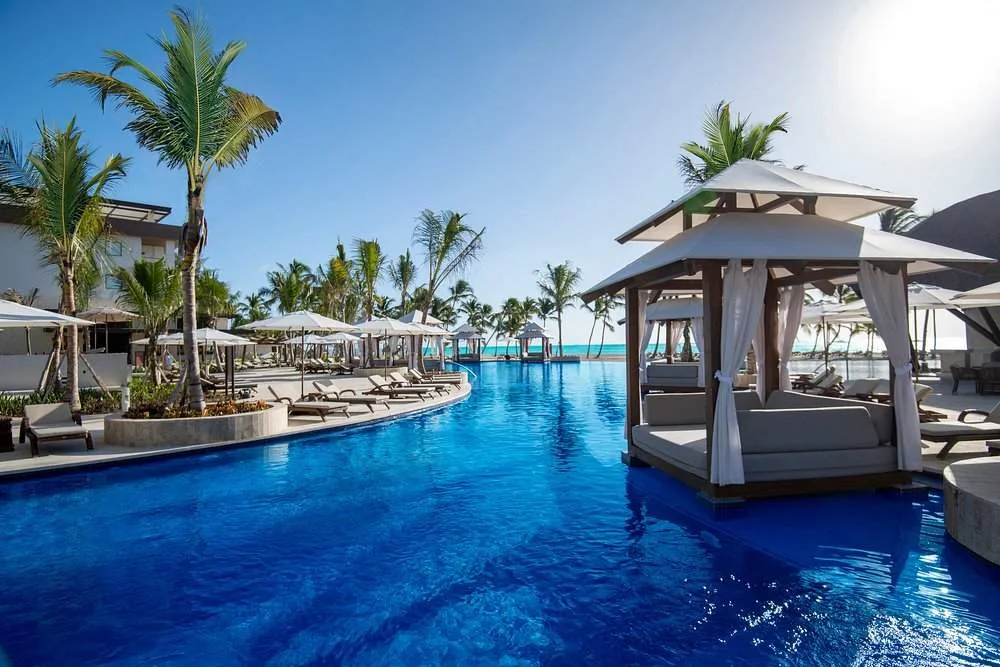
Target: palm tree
[[401, 273], [370, 262], [151, 290], [253, 307], [193, 119], [335, 287], [899, 220], [545, 309], [213, 296], [460, 290], [448, 246], [594, 310], [559, 283], [61, 190], [510, 320], [726, 142], [383, 306], [290, 288], [606, 306]]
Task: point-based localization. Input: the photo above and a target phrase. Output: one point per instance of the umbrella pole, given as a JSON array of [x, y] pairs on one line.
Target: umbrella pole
[[826, 343]]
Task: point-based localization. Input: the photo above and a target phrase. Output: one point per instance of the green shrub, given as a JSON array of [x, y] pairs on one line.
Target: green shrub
[[160, 410], [142, 390]]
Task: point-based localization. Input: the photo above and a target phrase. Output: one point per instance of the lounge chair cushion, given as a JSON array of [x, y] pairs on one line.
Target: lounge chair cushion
[[946, 428], [58, 432], [882, 416], [683, 446], [44, 414], [806, 430], [676, 409]]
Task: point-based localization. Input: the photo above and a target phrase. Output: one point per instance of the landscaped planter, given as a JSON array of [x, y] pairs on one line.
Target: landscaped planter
[[156, 433]]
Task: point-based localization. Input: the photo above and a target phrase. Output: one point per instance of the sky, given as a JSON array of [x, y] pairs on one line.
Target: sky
[[554, 124]]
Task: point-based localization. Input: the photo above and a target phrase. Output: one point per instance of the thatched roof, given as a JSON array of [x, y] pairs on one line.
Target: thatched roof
[[972, 225]]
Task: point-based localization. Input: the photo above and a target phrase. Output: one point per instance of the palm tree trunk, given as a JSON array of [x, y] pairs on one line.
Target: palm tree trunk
[[591, 337], [192, 239], [600, 349], [687, 354], [923, 338], [72, 343], [559, 323]]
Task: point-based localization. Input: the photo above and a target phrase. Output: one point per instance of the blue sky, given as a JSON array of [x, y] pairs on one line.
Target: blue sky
[[554, 124]]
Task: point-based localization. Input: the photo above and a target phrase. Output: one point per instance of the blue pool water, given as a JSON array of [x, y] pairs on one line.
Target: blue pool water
[[500, 531]]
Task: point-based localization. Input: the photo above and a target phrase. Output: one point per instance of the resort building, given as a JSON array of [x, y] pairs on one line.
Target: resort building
[[139, 233]]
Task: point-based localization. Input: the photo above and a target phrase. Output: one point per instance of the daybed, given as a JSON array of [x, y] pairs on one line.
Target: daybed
[[795, 436], [661, 375]]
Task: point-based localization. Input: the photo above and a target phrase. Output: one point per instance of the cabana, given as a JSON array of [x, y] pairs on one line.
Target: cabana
[[474, 340], [669, 375], [530, 332], [774, 441]]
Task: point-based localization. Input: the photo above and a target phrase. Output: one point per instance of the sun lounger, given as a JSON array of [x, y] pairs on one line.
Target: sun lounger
[[830, 385], [321, 408], [803, 382], [326, 389], [400, 381], [951, 432], [384, 388], [454, 379], [860, 388], [52, 421]]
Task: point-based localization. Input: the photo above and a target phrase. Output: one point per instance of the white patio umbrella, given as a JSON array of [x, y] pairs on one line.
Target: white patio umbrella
[[303, 321], [829, 312], [919, 297], [17, 316], [419, 317], [204, 337], [986, 296], [342, 338], [307, 339], [104, 315]]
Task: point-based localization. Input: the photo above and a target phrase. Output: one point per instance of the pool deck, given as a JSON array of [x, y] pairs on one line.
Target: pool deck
[[71, 454]]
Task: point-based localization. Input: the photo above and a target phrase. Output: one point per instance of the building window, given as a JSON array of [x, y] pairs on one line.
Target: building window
[[152, 253], [115, 248], [111, 283]]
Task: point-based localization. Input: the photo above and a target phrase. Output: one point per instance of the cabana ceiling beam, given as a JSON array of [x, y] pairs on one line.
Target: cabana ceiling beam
[[818, 275]]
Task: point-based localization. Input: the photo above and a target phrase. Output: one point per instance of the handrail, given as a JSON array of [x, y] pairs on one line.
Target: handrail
[[464, 368]]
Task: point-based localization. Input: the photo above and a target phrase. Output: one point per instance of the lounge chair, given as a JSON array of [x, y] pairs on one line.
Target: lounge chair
[[830, 385], [803, 382], [951, 431], [860, 388], [326, 389], [401, 381], [451, 378], [321, 408], [380, 386], [52, 421]]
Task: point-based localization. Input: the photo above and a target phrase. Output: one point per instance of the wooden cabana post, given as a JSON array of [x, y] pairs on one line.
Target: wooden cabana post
[[632, 398], [711, 278]]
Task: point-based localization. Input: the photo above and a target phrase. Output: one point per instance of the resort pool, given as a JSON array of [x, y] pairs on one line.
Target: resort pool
[[503, 530]]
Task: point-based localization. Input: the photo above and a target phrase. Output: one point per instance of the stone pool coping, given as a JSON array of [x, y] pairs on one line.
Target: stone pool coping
[[972, 505], [52, 465]]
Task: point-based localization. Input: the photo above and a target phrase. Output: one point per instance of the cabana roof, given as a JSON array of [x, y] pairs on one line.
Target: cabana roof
[[532, 330], [467, 332], [792, 242], [419, 317], [761, 187]]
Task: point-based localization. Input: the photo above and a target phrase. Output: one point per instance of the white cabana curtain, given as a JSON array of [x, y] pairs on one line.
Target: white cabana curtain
[[742, 303], [758, 351], [885, 296], [675, 330], [645, 333], [698, 329], [790, 302]]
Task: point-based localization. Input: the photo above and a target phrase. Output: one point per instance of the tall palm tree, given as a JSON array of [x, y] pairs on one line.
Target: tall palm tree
[[213, 296], [383, 306], [545, 309], [335, 287], [151, 290], [460, 290], [559, 283], [194, 120], [899, 220], [61, 189], [448, 246], [606, 306], [370, 263], [727, 140], [290, 288], [401, 273], [595, 311], [253, 307]]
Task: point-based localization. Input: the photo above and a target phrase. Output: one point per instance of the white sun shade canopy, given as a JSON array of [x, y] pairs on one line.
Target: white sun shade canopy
[[804, 238], [430, 330], [920, 297], [307, 339], [766, 188], [532, 330], [828, 311], [387, 326], [419, 317], [107, 314], [15, 315], [986, 296], [204, 336], [341, 338], [299, 320], [467, 332]]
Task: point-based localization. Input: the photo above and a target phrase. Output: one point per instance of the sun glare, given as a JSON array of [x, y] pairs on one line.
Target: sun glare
[[913, 58]]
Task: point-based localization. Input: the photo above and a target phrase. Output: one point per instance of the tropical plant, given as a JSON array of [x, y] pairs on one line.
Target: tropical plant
[[383, 306], [559, 283], [289, 288], [448, 247], [545, 309], [151, 290], [605, 308], [401, 273], [252, 308], [194, 120], [369, 263], [459, 291], [727, 140], [899, 220], [61, 190], [213, 296], [336, 287]]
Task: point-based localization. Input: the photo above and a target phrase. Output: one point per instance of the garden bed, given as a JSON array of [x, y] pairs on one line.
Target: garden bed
[[176, 432]]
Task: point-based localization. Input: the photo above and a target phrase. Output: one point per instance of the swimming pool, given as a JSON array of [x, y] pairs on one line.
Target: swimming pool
[[502, 530]]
